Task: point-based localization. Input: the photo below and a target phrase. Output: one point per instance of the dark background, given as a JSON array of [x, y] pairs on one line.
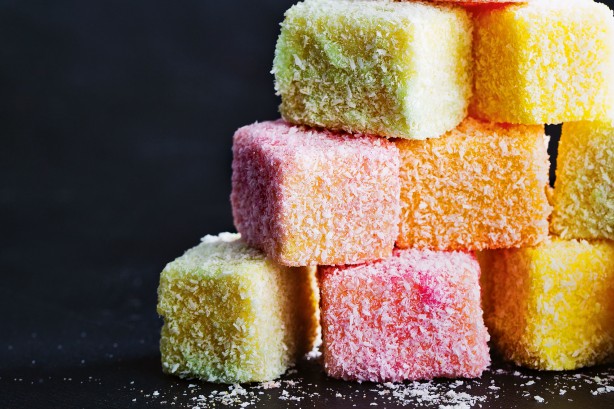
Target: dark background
[[116, 119]]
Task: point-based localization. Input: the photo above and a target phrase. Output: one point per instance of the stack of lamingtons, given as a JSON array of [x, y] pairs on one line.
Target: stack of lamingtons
[[413, 137]]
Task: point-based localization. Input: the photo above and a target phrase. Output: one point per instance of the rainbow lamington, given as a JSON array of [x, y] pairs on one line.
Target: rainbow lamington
[[551, 307], [584, 188], [309, 197], [415, 315], [546, 61], [480, 186], [231, 315], [377, 67]]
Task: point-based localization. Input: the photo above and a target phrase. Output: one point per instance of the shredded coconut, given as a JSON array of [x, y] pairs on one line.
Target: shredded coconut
[[295, 391]]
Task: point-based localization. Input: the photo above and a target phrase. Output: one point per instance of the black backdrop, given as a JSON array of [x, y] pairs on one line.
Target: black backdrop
[[116, 120]]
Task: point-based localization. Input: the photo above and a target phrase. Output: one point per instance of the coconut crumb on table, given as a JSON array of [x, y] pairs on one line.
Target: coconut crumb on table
[[297, 392]]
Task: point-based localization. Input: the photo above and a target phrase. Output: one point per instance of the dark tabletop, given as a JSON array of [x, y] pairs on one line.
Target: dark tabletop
[[116, 120]]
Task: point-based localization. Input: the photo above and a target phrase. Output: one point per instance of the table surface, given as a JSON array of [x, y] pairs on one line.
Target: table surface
[[115, 128]]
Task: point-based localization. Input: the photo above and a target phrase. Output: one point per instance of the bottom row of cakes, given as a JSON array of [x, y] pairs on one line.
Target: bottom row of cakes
[[232, 315]]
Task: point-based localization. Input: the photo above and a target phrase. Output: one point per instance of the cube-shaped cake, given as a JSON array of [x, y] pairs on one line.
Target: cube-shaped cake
[[232, 315], [415, 315], [584, 188], [480, 186], [551, 307], [309, 197], [544, 62], [381, 67]]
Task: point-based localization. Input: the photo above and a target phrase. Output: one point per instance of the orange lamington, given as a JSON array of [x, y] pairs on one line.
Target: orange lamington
[[480, 186]]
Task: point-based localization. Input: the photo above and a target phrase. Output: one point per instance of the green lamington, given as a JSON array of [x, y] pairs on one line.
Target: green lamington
[[379, 67], [231, 315]]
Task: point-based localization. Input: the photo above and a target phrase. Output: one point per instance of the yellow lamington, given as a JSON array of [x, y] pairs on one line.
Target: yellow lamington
[[544, 62], [387, 68], [551, 307], [584, 188], [231, 315]]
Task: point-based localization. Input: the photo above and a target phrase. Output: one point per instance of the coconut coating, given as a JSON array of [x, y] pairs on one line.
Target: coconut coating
[[308, 196], [415, 315], [544, 62], [231, 315], [480, 186], [551, 307], [584, 188], [377, 67]]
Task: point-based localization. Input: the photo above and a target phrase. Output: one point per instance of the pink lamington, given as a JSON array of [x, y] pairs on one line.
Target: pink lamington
[[308, 197], [413, 316]]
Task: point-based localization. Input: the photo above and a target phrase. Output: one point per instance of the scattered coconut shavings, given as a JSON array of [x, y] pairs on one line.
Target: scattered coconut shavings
[[422, 394], [603, 389], [286, 396], [293, 391], [270, 384], [315, 354]]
